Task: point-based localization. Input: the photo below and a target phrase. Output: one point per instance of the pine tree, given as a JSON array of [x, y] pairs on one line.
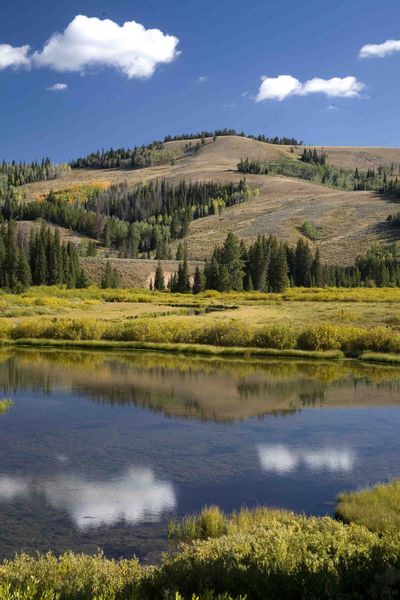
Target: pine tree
[[303, 258], [23, 271], [278, 269], [231, 259], [198, 281], [159, 281], [183, 282], [316, 270], [257, 264]]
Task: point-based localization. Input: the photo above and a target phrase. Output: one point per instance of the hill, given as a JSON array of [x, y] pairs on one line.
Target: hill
[[350, 220]]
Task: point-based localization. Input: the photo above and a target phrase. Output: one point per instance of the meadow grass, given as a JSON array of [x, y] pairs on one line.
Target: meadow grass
[[299, 322], [377, 508]]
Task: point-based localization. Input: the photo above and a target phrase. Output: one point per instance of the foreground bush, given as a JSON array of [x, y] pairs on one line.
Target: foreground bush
[[378, 508], [72, 576], [272, 554], [258, 555]]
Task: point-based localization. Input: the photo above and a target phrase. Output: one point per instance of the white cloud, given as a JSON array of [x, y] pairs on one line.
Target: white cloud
[[58, 87], [380, 50], [278, 88], [11, 56], [202, 79], [332, 107], [283, 86], [92, 42]]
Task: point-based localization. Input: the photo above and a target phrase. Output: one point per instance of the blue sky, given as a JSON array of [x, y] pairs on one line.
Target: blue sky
[[229, 44]]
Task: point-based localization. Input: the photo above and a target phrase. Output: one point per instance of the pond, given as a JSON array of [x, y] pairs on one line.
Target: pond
[[100, 449]]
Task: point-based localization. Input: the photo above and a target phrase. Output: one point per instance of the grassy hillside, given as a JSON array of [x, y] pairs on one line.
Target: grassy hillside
[[350, 221]]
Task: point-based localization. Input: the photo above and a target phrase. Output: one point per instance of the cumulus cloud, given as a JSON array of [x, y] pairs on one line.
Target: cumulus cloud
[[283, 86], [281, 459], [11, 56], [58, 87], [380, 50], [92, 42]]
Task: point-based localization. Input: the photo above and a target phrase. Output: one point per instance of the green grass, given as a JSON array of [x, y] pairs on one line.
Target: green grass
[[377, 508], [5, 405]]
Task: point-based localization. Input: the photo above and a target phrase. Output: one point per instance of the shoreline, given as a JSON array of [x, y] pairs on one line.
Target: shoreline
[[203, 349]]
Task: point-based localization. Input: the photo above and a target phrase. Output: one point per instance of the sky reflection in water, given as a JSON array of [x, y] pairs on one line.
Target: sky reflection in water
[[133, 497], [100, 449], [283, 460]]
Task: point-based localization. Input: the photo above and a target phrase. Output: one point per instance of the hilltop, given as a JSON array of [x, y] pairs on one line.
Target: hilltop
[[350, 221]]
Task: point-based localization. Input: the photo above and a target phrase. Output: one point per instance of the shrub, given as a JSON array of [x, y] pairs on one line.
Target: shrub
[[293, 557], [70, 577], [225, 333], [322, 336], [281, 337]]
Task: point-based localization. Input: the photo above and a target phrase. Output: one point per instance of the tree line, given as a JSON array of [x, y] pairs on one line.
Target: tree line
[[41, 259], [270, 265], [312, 166], [287, 141], [138, 157], [16, 174]]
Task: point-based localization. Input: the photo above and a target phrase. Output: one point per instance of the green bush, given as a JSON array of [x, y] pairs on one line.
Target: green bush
[[296, 557], [69, 577]]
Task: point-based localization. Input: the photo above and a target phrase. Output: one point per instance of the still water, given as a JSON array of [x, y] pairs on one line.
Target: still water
[[101, 449]]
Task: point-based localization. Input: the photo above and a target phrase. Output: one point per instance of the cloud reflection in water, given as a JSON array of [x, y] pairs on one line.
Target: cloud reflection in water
[[282, 459], [133, 497]]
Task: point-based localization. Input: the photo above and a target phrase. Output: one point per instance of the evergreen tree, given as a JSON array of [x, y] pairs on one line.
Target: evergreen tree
[[198, 281], [159, 281], [278, 269], [303, 259], [316, 270], [183, 282], [231, 259]]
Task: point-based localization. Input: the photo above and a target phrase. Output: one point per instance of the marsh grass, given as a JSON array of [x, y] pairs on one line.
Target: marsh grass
[[393, 359], [377, 508]]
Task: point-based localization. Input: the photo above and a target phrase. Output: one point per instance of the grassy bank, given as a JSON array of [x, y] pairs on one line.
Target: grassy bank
[[251, 554], [390, 359], [176, 348], [297, 323], [378, 508], [208, 335]]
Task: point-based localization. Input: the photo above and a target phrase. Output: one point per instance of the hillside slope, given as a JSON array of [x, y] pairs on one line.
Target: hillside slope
[[351, 220]]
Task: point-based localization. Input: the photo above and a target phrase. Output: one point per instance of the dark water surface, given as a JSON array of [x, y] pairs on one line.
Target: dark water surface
[[100, 449]]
